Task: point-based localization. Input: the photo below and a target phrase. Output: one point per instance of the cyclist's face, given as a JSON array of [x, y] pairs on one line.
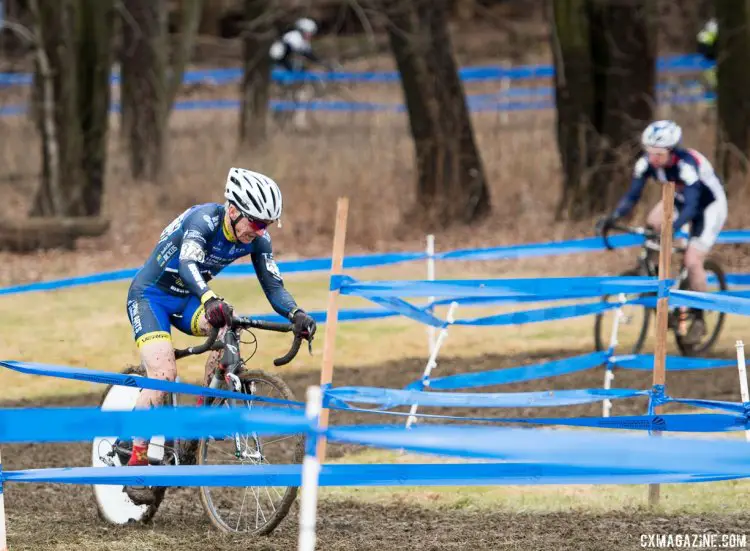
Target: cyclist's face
[[245, 230], [658, 157]]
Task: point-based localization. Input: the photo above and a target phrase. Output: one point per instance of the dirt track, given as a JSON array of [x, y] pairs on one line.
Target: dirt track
[[58, 517]]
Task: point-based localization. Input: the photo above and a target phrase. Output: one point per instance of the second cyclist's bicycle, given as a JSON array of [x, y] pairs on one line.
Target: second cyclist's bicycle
[[633, 322]]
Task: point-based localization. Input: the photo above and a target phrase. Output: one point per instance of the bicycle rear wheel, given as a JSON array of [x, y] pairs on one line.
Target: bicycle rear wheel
[[633, 324], [225, 505], [714, 320], [112, 504]]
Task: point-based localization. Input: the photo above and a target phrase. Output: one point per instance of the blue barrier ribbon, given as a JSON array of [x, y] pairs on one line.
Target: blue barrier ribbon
[[389, 398], [133, 381], [405, 309], [82, 424], [542, 289], [577, 448], [675, 422], [645, 362], [540, 315], [731, 407], [399, 474], [663, 290], [667, 64], [516, 374], [721, 302]]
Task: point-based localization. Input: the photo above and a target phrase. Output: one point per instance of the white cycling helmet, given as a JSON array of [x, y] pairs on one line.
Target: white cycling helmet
[[662, 134], [306, 25], [255, 195]]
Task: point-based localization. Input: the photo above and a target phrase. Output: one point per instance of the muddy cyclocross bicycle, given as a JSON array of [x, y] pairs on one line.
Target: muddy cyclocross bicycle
[[249, 510]]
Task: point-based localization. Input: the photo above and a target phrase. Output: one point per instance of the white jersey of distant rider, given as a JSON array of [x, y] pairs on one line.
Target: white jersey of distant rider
[[290, 42]]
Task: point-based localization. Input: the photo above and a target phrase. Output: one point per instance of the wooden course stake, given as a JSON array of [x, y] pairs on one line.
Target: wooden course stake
[[329, 342], [3, 537], [662, 308]]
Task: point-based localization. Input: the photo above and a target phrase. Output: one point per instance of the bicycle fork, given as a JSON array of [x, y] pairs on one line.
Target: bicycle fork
[[225, 376]]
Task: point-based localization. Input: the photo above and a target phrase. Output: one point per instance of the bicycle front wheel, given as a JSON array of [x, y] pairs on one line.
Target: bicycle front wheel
[[632, 326], [252, 510]]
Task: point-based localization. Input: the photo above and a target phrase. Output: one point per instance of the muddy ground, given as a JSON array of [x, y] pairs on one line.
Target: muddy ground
[[60, 517]]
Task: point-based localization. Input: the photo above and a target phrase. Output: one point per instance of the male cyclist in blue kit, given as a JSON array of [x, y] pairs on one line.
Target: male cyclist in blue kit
[[699, 200], [172, 286]]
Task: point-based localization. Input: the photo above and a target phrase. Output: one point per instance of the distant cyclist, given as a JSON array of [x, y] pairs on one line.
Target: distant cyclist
[[706, 46], [295, 46], [699, 200], [171, 289]]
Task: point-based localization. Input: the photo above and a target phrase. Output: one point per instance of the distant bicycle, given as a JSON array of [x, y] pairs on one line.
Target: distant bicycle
[[265, 507], [295, 99], [634, 319]]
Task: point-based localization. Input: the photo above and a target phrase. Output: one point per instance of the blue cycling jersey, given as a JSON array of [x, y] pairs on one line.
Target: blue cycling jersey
[[195, 247], [696, 184]]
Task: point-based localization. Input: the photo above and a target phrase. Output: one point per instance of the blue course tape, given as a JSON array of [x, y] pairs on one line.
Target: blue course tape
[[134, 381], [541, 288], [573, 246], [678, 63], [721, 302], [515, 374], [389, 398], [540, 315], [590, 244], [677, 422], [663, 290], [571, 448], [410, 474], [82, 424], [645, 362]]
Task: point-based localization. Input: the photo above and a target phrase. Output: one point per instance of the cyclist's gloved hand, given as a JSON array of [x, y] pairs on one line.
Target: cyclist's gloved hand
[[304, 325], [218, 312]]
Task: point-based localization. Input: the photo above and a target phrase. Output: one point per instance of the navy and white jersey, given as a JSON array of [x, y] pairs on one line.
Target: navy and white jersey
[[696, 184], [196, 246], [290, 44]]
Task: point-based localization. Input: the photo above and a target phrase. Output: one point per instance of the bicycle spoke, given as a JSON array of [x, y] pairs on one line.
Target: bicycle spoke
[[271, 502], [239, 517]]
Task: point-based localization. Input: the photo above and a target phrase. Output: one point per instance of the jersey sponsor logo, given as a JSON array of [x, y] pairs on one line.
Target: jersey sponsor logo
[[192, 251], [271, 266], [166, 254], [198, 278], [135, 317], [173, 226], [212, 222], [156, 336], [194, 235]]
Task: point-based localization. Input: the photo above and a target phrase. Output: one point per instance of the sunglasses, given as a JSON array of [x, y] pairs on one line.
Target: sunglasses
[[258, 225]]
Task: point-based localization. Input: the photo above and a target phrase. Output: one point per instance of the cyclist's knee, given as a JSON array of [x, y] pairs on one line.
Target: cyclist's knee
[[694, 259]]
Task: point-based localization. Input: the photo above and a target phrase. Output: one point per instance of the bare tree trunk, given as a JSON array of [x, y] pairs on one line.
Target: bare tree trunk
[[73, 62], [144, 84], [149, 82], [733, 82], [256, 79], [465, 10], [451, 185], [605, 56], [577, 139]]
